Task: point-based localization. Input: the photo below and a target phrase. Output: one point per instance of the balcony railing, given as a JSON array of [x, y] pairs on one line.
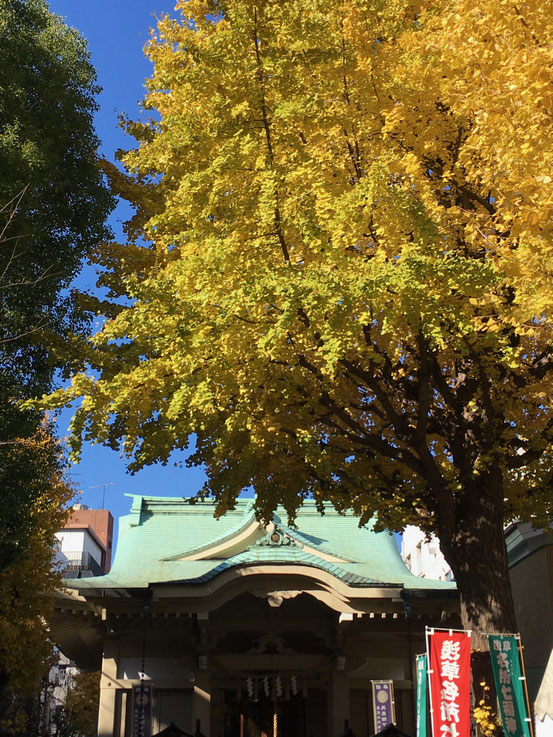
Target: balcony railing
[[80, 561]]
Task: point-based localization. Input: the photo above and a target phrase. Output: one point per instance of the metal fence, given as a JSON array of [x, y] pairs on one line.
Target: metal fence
[[81, 561]]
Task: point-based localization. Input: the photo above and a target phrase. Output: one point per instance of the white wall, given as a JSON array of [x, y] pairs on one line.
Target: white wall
[[79, 541], [424, 557]]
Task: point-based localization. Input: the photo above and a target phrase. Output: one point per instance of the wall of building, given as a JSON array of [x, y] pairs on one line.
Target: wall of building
[[423, 557], [532, 585], [100, 521], [169, 705], [79, 541]]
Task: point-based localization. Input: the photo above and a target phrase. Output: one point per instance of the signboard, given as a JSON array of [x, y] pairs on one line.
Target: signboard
[[422, 688], [509, 685], [142, 710], [383, 704], [449, 670]]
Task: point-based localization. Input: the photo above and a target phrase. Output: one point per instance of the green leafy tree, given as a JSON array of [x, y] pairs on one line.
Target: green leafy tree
[[338, 294], [80, 713], [28, 583], [53, 205]]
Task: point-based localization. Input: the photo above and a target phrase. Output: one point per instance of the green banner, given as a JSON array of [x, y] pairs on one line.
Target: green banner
[[422, 687], [508, 684]]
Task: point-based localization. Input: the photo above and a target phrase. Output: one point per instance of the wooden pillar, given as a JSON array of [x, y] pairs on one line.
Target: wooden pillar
[[217, 712], [338, 682], [338, 702], [202, 702], [108, 692], [202, 682], [126, 703]]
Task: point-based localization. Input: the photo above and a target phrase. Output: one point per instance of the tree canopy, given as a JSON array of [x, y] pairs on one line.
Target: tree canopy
[[53, 205], [80, 713], [26, 585], [47, 159], [339, 268]]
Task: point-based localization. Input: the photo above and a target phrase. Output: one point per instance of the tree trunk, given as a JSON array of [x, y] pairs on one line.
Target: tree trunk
[[485, 694], [5, 699], [473, 543]]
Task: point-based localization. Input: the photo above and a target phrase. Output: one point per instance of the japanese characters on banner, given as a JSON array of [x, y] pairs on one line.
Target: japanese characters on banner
[[383, 704], [449, 671], [422, 685], [508, 685], [142, 710]]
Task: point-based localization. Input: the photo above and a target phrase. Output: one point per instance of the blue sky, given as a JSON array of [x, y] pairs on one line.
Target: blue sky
[[116, 34]]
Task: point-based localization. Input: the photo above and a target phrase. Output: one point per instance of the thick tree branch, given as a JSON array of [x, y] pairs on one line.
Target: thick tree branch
[[268, 139]]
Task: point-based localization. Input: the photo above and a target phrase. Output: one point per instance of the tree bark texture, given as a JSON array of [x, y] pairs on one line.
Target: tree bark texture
[[473, 542]]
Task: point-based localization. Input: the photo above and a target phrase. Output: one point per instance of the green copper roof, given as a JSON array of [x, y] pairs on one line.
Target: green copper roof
[[160, 533]]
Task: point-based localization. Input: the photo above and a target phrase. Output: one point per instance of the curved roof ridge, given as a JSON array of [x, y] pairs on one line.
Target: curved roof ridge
[[193, 500], [269, 556], [248, 516], [306, 539]]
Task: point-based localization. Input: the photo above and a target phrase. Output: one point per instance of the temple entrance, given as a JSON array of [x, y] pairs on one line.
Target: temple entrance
[[266, 718], [297, 716]]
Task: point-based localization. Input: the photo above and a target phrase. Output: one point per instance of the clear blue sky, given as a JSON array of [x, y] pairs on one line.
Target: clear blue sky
[[116, 34]]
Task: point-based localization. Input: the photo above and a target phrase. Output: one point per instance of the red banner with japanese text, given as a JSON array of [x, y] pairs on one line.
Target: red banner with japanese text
[[449, 674]]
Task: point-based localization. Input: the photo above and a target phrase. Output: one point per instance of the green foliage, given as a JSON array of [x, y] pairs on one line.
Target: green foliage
[[53, 206], [27, 585], [81, 708], [47, 164]]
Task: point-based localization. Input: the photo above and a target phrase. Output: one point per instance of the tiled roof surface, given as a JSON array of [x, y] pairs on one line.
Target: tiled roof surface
[[161, 532]]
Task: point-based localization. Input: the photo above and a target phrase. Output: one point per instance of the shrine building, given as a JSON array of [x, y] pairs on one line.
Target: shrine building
[[242, 630]]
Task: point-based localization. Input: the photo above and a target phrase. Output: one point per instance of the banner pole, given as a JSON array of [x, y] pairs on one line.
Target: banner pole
[[525, 683], [421, 706], [427, 631], [449, 681]]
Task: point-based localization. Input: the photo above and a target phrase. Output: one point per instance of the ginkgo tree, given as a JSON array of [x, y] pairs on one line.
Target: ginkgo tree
[[339, 268]]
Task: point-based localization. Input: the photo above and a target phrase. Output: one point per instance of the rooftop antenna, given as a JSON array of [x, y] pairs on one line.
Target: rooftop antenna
[[103, 487]]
